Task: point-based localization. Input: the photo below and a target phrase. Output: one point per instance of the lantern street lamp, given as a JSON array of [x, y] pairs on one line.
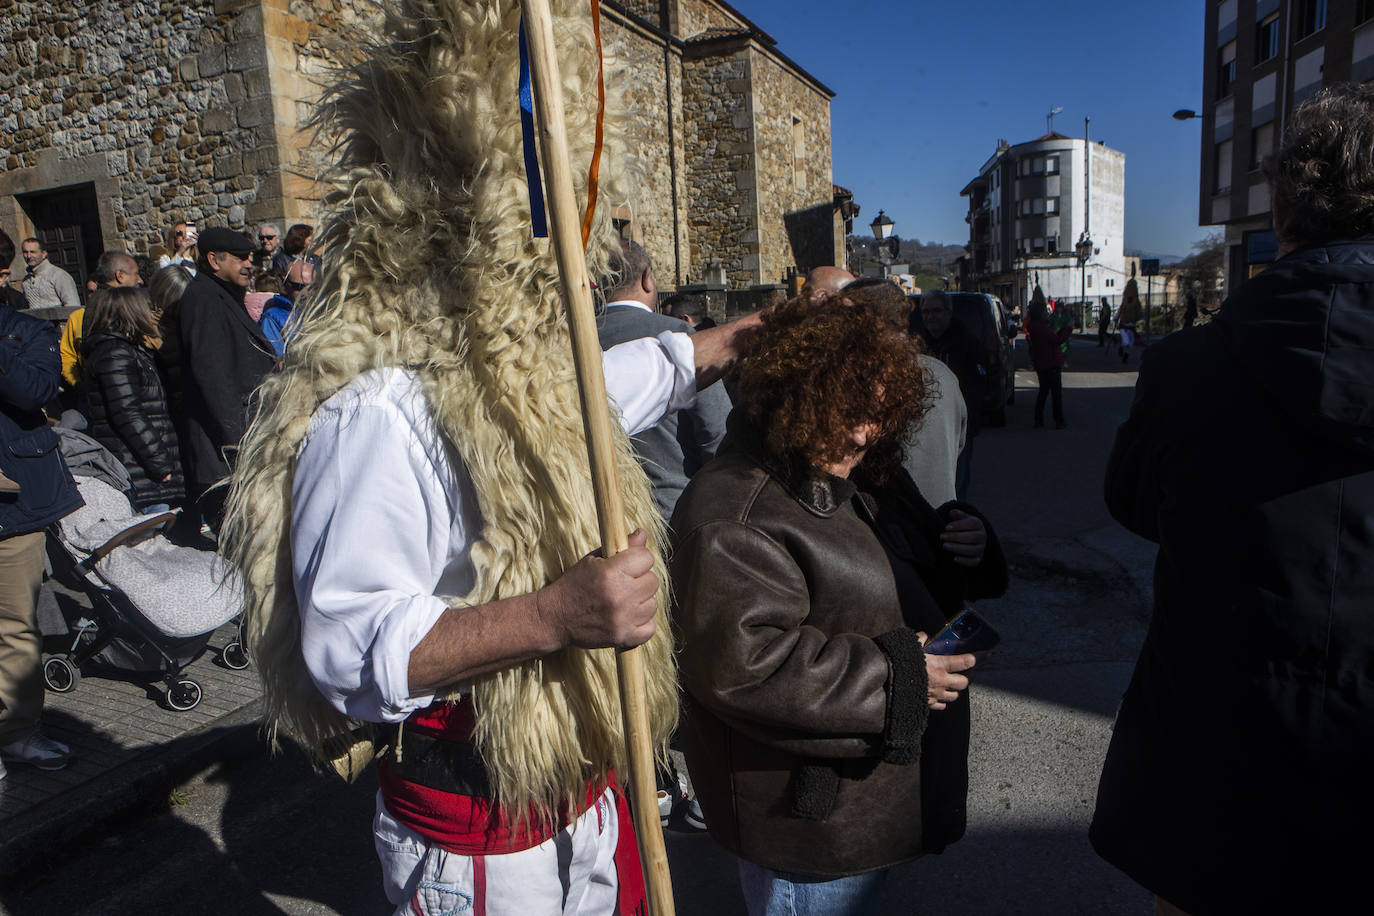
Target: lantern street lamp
[[887, 242], [1184, 114]]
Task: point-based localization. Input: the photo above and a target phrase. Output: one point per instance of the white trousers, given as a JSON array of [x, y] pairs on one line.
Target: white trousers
[[572, 873]]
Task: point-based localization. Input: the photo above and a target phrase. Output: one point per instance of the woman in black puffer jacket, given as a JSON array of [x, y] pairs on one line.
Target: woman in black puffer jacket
[[127, 403]]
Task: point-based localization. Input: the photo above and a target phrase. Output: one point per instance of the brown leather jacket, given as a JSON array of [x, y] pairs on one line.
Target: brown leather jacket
[[806, 694]]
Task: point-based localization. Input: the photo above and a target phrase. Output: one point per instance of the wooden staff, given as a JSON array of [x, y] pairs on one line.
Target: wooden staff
[[565, 231]]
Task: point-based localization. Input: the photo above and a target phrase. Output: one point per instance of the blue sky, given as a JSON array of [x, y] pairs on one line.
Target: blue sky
[[925, 89]]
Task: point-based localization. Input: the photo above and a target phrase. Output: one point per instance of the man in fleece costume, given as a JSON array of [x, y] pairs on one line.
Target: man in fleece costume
[[412, 509]]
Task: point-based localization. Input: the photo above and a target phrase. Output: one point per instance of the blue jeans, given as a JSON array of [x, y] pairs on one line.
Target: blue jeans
[[780, 893]]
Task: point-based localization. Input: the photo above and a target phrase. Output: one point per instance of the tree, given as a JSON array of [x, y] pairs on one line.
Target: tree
[[1204, 270]]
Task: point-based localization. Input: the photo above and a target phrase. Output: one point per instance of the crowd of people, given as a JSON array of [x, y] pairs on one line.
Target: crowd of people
[[160, 375], [415, 469]]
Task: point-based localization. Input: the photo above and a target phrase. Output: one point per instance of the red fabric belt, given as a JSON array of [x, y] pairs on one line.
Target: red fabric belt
[[472, 826]]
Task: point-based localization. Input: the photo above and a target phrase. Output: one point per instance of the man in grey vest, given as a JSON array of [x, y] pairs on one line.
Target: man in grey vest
[[682, 442], [670, 452]]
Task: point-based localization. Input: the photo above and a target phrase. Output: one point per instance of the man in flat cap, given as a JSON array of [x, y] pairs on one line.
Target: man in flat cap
[[224, 355]]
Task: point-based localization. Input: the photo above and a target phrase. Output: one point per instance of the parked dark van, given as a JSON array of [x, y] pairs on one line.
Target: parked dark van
[[984, 316]]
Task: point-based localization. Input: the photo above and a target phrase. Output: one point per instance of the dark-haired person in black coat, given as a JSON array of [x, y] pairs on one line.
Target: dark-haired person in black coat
[[126, 401], [1239, 776], [223, 356]]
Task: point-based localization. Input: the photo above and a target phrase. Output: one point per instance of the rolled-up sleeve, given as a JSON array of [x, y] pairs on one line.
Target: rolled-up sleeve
[[648, 377], [370, 533]]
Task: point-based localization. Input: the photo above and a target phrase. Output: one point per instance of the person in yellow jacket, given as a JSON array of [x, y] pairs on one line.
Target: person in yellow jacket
[[69, 348]]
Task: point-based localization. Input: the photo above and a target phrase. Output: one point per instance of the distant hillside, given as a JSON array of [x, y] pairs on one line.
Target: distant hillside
[[924, 257]]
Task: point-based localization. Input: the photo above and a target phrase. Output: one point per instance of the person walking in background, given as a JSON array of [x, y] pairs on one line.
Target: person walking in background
[[1243, 747], [1128, 317], [269, 306], [126, 401], [181, 247], [952, 344], [224, 355], [1104, 322], [40, 493], [292, 247], [45, 284], [1189, 310], [112, 269], [269, 240], [1045, 345]]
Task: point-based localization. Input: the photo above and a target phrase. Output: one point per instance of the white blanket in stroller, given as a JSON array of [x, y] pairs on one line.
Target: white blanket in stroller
[[182, 591]]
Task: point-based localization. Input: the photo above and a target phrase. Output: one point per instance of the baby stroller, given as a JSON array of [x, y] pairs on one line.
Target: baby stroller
[[154, 605]]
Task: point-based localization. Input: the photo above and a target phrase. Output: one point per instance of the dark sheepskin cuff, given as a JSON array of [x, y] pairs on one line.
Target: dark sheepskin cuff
[[814, 787], [906, 696]]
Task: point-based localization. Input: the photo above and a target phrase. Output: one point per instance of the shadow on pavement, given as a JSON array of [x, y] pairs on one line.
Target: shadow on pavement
[[251, 835]]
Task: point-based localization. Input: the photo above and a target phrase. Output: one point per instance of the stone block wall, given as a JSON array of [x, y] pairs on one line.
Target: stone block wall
[[723, 204], [697, 16], [649, 85], [139, 98], [793, 169], [171, 111]]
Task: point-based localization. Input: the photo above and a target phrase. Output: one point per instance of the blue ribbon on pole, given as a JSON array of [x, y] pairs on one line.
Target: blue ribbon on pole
[[532, 175]]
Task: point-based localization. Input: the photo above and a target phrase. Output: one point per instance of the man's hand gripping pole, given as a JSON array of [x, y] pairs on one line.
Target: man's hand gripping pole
[[565, 231]]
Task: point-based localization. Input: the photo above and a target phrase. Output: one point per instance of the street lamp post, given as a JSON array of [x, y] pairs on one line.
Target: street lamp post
[[1084, 251]]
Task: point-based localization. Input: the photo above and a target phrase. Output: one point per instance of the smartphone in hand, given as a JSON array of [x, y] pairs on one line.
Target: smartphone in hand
[[967, 632]]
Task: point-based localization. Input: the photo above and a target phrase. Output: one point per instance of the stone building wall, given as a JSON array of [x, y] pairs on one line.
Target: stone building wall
[[306, 42], [156, 111], [792, 165], [138, 100], [722, 203], [651, 92], [697, 16]]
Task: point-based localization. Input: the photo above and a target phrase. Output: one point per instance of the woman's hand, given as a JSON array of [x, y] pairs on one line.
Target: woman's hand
[[965, 538], [943, 680]]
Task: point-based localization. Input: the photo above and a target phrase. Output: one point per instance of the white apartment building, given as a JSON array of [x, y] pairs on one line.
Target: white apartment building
[[1027, 211]]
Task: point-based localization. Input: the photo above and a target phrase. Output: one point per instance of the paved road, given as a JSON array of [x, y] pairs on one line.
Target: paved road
[[258, 836]]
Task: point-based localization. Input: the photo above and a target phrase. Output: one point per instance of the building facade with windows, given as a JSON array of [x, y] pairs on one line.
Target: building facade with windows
[[1029, 207], [120, 117], [1263, 58]]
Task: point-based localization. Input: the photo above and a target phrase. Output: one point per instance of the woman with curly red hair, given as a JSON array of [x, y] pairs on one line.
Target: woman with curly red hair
[[807, 690]]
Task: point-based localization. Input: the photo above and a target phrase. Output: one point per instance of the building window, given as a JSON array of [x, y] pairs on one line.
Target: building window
[[1039, 166], [1052, 162], [1267, 39], [1037, 244], [1038, 206], [798, 152], [1052, 244], [1088, 281], [1052, 206], [1261, 144], [1226, 70], [1311, 17], [1221, 183]]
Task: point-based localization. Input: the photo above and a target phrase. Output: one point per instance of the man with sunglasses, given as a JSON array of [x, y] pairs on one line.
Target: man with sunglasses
[[269, 237]]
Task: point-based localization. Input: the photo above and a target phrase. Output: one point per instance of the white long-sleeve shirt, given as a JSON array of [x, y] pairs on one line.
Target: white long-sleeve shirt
[[384, 516]]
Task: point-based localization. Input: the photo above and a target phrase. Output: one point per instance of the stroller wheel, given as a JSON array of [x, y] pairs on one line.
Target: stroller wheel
[[234, 656], [183, 695], [60, 675]]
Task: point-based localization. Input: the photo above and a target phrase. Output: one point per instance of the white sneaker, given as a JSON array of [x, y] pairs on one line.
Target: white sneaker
[[38, 750], [665, 807]]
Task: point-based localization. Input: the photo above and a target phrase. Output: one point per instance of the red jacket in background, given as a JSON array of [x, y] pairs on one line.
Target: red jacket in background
[[1044, 344]]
